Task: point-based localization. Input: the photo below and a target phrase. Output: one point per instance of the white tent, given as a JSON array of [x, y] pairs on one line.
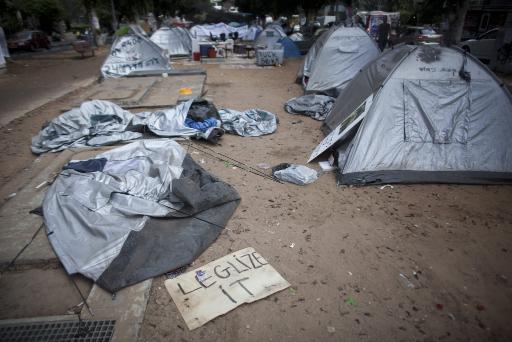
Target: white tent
[[176, 40], [134, 53], [270, 35], [343, 53], [252, 32], [3, 44], [2, 60], [440, 116]]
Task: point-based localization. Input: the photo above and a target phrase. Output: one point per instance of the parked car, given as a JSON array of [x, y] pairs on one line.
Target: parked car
[[29, 40], [418, 35], [483, 47]]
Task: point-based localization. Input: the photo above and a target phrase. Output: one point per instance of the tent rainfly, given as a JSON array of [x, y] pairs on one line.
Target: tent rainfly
[[337, 59], [440, 116], [176, 40], [134, 53]]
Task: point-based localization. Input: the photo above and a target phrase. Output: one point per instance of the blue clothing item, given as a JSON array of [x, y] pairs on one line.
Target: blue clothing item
[[201, 125], [90, 165]]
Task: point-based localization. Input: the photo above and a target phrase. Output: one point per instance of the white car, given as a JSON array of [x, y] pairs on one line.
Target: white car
[[483, 47]]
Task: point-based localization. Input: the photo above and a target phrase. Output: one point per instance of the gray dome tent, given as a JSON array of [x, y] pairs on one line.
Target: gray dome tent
[[270, 36], [307, 63], [366, 82], [134, 52], [343, 53], [440, 116], [176, 40]]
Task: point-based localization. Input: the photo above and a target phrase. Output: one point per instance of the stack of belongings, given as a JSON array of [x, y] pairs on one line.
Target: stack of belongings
[[144, 209]]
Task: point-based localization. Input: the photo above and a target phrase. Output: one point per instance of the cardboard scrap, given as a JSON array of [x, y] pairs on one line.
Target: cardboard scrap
[[222, 285]]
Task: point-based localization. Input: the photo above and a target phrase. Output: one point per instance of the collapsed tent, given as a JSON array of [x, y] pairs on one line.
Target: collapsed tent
[[204, 32], [313, 105], [99, 122], [134, 53], [144, 209], [273, 35], [176, 40], [439, 117], [251, 123], [345, 51]]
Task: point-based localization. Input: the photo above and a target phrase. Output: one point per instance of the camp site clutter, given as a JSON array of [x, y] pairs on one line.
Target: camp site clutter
[[410, 114]]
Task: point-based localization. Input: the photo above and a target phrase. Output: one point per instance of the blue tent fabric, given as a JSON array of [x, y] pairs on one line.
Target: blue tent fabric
[[290, 49]]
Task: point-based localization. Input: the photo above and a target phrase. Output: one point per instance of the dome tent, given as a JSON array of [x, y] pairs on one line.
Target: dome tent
[[134, 52], [273, 35], [307, 64], [439, 117], [343, 53], [2, 60], [366, 82], [176, 40]]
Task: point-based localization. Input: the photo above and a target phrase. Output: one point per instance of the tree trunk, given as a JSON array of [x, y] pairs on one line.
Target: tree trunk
[[455, 13], [114, 18]]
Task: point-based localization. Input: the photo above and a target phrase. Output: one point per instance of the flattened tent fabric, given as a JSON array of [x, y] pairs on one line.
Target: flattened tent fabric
[[440, 117], [134, 52], [176, 40], [366, 82], [144, 209], [343, 54]]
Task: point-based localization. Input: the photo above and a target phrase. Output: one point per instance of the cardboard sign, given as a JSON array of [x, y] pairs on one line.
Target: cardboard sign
[[222, 285], [343, 129]]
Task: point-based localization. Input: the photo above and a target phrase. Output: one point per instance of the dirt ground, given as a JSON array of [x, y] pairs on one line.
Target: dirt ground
[[411, 262], [33, 79]]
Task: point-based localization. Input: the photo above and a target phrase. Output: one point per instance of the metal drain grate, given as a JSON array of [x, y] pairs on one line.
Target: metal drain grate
[[84, 331]]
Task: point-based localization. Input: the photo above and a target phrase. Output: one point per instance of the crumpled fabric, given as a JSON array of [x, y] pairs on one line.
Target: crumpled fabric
[[296, 174], [84, 126], [143, 180], [202, 125], [98, 123], [251, 123], [171, 123], [315, 106]]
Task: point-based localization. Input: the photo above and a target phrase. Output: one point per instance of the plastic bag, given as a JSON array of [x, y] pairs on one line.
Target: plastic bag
[[296, 174]]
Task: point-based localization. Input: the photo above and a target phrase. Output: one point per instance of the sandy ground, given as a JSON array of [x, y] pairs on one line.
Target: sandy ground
[[33, 79], [350, 244]]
